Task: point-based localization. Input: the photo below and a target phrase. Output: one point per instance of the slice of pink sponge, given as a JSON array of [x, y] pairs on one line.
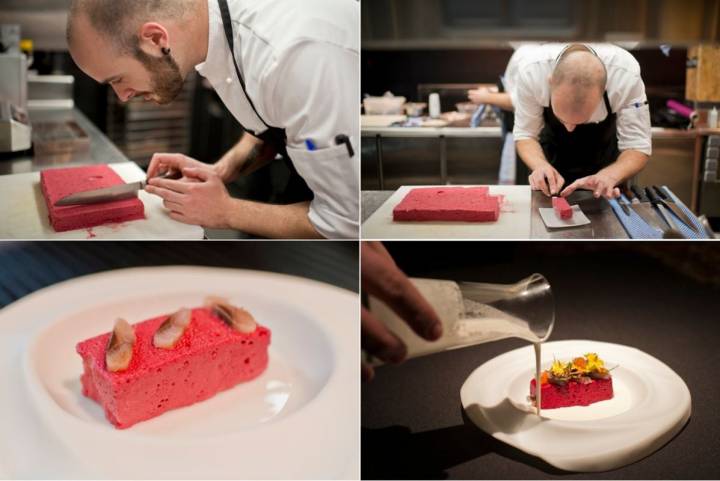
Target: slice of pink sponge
[[562, 208], [209, 357], [59, 183], [468, 204]]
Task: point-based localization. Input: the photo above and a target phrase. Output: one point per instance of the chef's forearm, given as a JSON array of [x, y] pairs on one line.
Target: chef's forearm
[[531, 153], [628, 163], [271, 220], [502, 100]]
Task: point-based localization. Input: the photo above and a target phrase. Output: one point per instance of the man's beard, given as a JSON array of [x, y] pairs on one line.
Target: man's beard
[[165, 77]]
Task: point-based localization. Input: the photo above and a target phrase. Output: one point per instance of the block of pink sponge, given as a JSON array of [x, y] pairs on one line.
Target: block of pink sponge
[[209, 357], [464, 204], [573, 393], [59, 183], [562, 209]]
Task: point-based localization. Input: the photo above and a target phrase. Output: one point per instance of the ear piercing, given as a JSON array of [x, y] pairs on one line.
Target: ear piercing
[[165, 51]]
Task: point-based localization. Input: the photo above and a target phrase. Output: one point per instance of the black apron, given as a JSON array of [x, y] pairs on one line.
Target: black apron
[[585, 150], [296, 189]]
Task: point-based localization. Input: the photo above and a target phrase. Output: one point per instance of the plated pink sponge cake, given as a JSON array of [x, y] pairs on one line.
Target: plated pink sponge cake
[[137, 372], [583, 381]]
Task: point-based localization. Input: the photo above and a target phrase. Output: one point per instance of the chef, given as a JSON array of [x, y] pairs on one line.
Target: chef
[[581, 118], [287, 71]]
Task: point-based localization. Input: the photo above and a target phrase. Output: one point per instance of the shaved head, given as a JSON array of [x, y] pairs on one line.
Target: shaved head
[[119, 20], [577, 85], [136, 46]]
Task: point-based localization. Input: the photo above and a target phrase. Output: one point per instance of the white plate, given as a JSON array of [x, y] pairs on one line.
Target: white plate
[[651, 405], [299, 419], [554, 222]]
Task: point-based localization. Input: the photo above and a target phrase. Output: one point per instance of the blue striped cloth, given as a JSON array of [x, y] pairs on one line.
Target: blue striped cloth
[[685, 230], [637, 228], [634, 225]]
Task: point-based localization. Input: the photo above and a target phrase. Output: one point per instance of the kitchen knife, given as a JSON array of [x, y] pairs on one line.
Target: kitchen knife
[[658, 203], [109, 194], [645, 211], [638, 193], [670, 204]]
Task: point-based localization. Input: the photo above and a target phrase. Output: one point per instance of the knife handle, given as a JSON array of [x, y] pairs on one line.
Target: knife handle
[[638, 193], [661, 192], [652, 196]]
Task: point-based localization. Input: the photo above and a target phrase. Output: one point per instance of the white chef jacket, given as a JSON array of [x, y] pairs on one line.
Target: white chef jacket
[[300, 62], [530, 91]]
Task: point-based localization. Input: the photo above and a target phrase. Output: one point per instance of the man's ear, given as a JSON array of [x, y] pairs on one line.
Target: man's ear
[[153, 38]]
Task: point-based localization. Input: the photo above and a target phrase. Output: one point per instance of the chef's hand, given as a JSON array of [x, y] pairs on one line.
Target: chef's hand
[[203, 200], [161, 163], [479, 95], [601, 184], [546, 179], [382, 278]]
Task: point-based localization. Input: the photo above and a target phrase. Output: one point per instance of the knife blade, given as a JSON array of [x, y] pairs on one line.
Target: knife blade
[[108, 194], [671, 205], [657, 202], [645, 211]]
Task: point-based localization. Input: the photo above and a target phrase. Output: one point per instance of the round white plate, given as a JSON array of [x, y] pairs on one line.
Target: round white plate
[[651, 404], [299, 419]]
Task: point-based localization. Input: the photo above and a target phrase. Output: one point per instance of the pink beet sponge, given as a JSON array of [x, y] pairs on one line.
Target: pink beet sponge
[[58, 183], [562, 208], [209, 357], [466, 204]]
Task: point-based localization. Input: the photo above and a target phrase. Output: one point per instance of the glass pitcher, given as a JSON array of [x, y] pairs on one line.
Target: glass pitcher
[[474, 313]]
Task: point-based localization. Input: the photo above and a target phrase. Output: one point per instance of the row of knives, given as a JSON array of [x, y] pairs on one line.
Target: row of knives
[[642, 201]]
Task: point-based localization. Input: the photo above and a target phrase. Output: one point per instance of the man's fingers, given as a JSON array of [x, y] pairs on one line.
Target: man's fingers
[[552, 182], [571, 188], [179, 217], [377, 339], [543, 185], [163, 161], [173, 206], [169, 184], [197, 173]]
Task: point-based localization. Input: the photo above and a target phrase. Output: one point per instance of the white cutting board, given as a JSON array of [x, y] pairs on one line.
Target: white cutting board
[[23, 213], [510, 225]]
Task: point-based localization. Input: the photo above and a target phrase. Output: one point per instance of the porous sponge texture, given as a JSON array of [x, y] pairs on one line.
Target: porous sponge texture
[[210, 357], [58, 183]]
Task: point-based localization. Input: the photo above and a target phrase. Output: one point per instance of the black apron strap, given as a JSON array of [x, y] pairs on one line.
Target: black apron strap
[[297, 189]]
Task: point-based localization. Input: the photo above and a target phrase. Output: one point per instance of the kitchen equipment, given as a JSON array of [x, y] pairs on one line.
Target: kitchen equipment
[[514, 221], [109, 194], [645, 211], [474, 313], [466, 107], [709, 202], [656, 201], [370, 121], [23, 213], [415, 109], [15, 131], [434, 102], [388, 104], [670, 204], [713, 118], [59, 139]]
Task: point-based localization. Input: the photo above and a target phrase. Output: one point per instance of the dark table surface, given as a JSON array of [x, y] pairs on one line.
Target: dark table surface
[[662, 299], [28, 266]]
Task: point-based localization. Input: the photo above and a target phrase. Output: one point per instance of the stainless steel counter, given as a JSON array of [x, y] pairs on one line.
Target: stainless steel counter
[[102, 151], [603, 222]]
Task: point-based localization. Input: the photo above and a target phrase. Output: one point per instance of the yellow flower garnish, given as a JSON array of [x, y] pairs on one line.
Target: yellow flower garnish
[[594, 362], [558, 368]]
